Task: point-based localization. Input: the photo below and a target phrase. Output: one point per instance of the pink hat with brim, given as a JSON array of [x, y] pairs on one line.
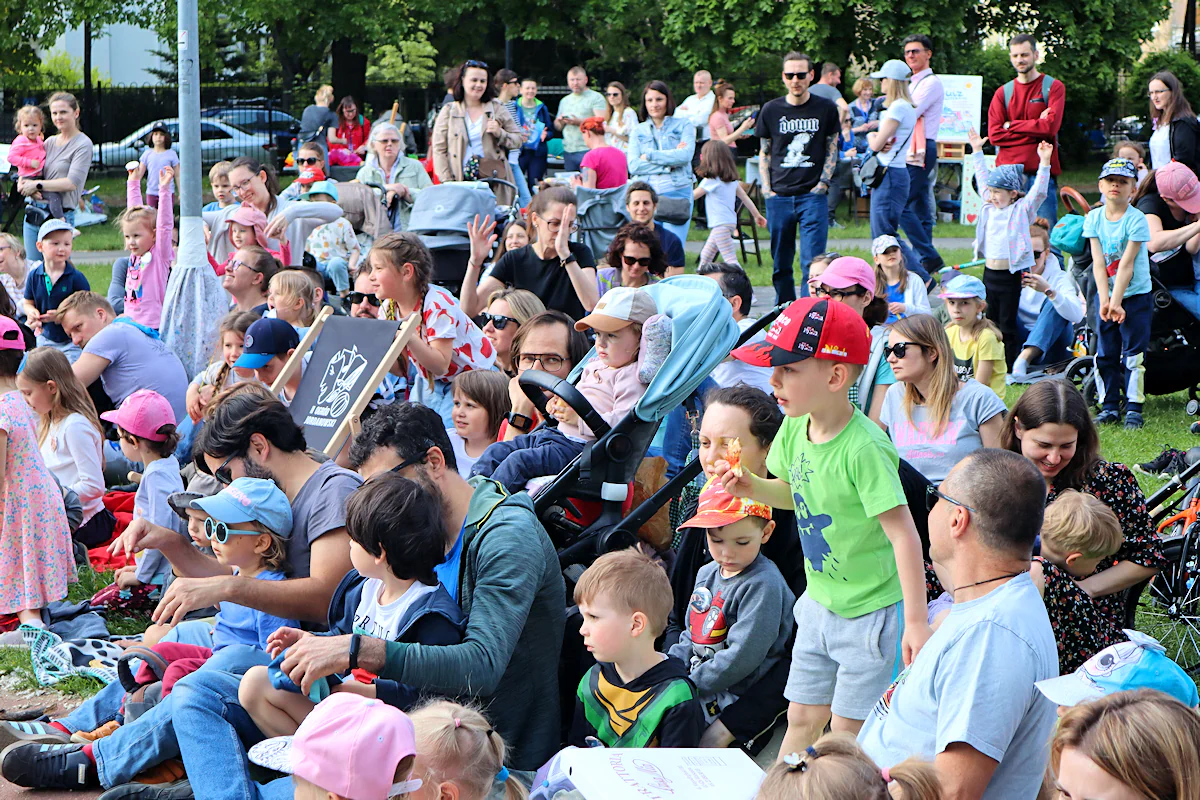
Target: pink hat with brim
[[11, 337], [251, 217], [142, 414], [847, 271], [1177, 183]]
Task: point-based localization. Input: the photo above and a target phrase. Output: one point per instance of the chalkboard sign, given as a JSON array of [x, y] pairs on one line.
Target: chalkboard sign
[[347, 363]]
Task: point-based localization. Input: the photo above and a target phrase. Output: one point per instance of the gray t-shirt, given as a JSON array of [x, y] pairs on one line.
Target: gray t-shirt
[[931, 453], [159, 481], [136, 361], [973, 683], [830, 93], [318, 508], [316, 117]]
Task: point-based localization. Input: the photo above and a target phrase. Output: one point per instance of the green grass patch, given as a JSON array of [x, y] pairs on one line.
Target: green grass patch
[[761, 275]]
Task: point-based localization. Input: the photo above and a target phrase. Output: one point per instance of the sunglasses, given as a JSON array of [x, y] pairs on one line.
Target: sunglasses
[[612, 94], [220, 532], [499, 321], [477, 64], [914, 51], [308, 162], [408, 463], [900, 349], [791, 76], [630, 261], [932, 495], [1038, 253], [357, 298], [222, 473]]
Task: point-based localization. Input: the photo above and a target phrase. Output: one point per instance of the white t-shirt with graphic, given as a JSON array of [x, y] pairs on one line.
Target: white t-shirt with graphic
[[383, 621]]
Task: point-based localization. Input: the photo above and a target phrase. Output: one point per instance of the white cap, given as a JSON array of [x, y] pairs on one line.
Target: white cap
[[619, 308]]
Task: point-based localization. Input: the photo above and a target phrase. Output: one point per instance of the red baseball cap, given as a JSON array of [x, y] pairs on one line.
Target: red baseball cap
[[718, 508], [811, 328]]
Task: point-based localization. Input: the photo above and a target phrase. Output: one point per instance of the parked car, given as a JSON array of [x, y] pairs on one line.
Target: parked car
[[254, 119], [219, 141]]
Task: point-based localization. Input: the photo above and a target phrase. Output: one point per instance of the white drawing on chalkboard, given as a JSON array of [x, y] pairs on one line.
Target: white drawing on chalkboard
[[343, 372]]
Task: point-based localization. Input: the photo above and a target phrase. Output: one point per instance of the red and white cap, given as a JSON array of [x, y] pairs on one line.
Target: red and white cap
[[811, 328], [142, 414], [718, 508], [1177, 183]]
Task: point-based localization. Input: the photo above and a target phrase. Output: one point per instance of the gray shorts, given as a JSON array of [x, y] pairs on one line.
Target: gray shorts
[[846, 664]]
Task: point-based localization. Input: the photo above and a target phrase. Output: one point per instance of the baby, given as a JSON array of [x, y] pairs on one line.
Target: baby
[[28, 150]]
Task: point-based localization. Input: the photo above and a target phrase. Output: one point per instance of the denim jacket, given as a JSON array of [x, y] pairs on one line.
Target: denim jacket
[[662, 151]]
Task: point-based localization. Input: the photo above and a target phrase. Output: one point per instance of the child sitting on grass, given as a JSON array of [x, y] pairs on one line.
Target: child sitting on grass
[[271, 344], [739, 617], [976, 341], [397, 538], [481, 403], [334, 245], [836, 768], [625, 598], [290, 295]]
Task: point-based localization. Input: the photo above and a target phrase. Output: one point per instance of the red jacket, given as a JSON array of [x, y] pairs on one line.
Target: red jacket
[[1018, 143]]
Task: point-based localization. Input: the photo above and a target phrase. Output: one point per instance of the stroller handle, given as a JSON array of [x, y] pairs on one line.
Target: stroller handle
[[534, 383]]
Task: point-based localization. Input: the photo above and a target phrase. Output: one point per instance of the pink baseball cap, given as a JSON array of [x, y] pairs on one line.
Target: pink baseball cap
[[349, 745], [847, 271], [1179, 184], [251, 217], [142, 414], [11, 337]]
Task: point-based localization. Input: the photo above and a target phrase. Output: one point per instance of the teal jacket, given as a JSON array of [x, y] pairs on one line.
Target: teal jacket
[[512, 592]]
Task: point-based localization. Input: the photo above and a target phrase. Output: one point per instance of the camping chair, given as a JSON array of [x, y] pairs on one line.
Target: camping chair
[[341, 374], [745, 227], [601, 214]]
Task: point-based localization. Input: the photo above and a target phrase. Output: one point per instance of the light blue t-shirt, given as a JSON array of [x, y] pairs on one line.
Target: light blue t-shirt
[[1114, 237], [973, 683], [241, 625], [159, 481], [447, 571]]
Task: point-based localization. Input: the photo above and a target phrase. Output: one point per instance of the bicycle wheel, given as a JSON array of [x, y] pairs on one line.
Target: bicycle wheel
[[1171, 609]]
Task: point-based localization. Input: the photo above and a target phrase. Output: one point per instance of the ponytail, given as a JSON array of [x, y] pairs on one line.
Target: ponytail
[[457, 744]]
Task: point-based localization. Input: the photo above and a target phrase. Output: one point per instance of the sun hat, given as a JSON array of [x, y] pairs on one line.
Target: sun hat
[[53, 225], [1121, 167], [142, 414], [895, 69], [618, 309], [1178, 184], [847, 271], [1140, 663], [811, 327], [718, 508], [961, 287], [881, 244], [11, 337], [265, 339], [349, 745], [251, 217], [250, 500], [321, 187]]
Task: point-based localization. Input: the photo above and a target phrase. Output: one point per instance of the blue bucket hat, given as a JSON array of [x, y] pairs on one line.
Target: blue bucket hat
[[1119, 166], [963, 286], [1007, 176], [1140, 663], [250, 500], [265, 339], [322, 187]]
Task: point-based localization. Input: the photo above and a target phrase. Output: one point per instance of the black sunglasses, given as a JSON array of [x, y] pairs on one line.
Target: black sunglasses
[[900, 349], [932, 495], [499, 321], [630, 261], [408, 463], [219, 531], [356, 298], [222, 473], [477, 64], [308, 162], [791, 76]]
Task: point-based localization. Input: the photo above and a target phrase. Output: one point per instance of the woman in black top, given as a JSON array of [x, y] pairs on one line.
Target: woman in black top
[[559, 271], [1176, 132], [1174, 231]]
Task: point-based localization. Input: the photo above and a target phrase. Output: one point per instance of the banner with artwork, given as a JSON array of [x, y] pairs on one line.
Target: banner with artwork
[[963, 107]]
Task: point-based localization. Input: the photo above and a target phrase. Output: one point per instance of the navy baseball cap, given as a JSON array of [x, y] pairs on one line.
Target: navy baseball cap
[[266, 339]]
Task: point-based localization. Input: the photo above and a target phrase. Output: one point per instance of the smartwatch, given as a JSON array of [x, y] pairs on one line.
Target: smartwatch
[[519, 421], [567, 260], [355, 644]]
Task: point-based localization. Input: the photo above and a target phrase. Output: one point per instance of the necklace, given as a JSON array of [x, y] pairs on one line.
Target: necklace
[[990, 580]]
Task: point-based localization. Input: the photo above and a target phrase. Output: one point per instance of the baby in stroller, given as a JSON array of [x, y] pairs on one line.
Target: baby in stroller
[[613, 383]]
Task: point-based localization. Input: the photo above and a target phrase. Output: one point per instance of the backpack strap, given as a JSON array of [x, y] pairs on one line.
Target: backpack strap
[[1047, 82], [1009, 88]]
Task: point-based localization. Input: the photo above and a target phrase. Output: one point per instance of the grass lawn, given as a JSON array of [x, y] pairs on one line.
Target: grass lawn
[[761, 276]]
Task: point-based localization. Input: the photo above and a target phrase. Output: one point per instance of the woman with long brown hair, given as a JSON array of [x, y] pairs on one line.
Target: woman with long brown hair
[[619, 117], [1176, 132]]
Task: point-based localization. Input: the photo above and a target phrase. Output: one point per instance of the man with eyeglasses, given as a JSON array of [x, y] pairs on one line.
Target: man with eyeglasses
[[968, 702], [573, 109], [928, 96], [799, 135], [1024, 112], [547, 342]]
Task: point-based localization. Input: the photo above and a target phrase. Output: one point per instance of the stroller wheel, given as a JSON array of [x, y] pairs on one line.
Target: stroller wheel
[[1193, 407], [1090, 393], [1170, 611]]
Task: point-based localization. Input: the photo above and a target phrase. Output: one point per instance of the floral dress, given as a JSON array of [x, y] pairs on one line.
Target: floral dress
[[1080, 628], [36, 560]]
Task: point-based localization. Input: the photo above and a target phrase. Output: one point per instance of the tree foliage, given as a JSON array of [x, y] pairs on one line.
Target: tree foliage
[[412, 61]]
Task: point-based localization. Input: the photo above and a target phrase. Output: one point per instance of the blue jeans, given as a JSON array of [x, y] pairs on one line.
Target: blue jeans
[[337, 270], [523, 196], [151, 738], [1189, 298], [30, 233], [680, 230], [1121, 355], [888, 201], [917, 218], [69, 349], [1052, 334], [514, 463], [1049, 206], [809, 211], [533, 164]]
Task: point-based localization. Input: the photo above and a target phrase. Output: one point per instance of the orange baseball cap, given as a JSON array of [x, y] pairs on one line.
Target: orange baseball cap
[[719, 508]]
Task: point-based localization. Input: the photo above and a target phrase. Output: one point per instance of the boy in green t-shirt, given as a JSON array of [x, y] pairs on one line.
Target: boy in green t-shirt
[[864, 609]]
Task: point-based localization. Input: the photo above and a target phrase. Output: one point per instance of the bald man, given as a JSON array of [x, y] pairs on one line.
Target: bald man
[[698, 108]]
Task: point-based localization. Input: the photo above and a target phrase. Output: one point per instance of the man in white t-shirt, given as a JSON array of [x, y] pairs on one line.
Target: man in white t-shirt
[[735, 285], [968, 701], [697, 108]]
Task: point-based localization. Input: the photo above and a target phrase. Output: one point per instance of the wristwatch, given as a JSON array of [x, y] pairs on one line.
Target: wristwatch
[[355, 644], [570, 257], [519, 421]]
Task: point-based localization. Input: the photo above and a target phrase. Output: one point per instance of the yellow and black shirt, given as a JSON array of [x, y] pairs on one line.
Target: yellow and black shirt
[[659, 708]]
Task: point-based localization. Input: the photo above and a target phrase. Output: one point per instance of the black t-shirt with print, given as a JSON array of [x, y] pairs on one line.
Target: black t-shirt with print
[[1176, 270], [522, 269], [799, 140]]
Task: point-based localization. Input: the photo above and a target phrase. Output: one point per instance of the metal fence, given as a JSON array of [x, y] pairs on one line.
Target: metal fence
[[237, 118]]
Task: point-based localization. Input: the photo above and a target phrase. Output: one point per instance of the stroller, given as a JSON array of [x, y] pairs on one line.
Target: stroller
[[440, 215]]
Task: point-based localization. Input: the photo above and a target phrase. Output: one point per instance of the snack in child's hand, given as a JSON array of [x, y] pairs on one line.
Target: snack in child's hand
[[733, 454]]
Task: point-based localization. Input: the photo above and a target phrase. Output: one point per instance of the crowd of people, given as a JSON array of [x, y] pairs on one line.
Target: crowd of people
[[845, 575]]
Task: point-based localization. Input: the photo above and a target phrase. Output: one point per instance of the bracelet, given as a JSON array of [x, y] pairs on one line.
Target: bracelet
[[567, 260]]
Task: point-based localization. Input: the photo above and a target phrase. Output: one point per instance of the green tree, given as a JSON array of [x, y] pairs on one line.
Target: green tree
[[410, 62]]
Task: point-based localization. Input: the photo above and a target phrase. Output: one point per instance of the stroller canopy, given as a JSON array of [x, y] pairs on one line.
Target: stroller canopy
[[702, 334]]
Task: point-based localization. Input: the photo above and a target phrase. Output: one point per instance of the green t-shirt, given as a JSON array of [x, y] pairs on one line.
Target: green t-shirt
[[589, 103], [840, 488]]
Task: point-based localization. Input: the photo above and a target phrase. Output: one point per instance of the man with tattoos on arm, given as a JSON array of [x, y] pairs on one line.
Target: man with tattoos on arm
[[799, 153]]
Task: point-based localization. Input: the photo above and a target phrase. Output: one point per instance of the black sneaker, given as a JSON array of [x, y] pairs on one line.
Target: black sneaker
[[48, 766], [1160, 465], [178, 790], [1107, 417]]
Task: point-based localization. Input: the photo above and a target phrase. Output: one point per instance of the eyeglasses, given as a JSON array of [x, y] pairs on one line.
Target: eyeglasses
[[900, 349], [630, 261], [238, 188], [403, 465], [838, 294], [477, 64], [357, 298], [388, 142], [308, 162], [499, 321], [932, 495], [549, 361], [791, 76], [1156, 92], [222, 473], [555, 224], [221, 532]]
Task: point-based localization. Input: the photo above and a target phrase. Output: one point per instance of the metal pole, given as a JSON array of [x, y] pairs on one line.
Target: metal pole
[[189, 126]]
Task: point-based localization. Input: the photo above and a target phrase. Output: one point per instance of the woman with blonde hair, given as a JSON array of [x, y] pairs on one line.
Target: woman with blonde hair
[[934, 419], [835, 767], [896, 125], [459, 755], [13, 268], [507, 310], [1139, 744]]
